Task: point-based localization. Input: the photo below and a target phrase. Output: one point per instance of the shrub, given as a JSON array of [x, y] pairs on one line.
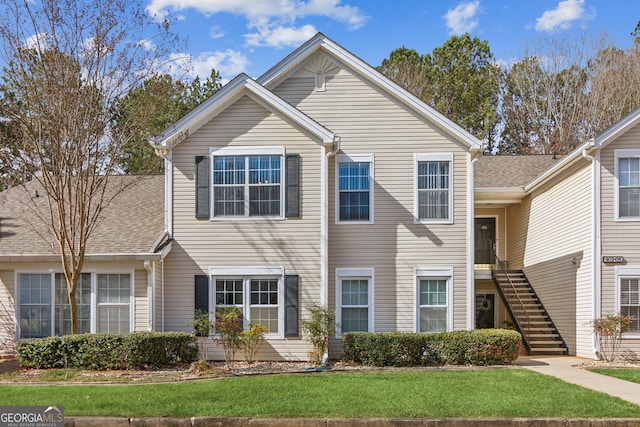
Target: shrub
[[138, 350], [479, 347], [608, 331], [251, 340], [318, 328], [202, 328], [228, 328]]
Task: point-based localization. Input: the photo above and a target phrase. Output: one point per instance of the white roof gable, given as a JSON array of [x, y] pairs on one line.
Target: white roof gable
[[240, 86], [290, 64], [618, 128]]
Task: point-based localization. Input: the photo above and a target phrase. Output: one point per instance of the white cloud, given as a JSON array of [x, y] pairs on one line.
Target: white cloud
[[562, 16], [280, 36], [463, 18], [216, 33], [274, 19], [227, 63]]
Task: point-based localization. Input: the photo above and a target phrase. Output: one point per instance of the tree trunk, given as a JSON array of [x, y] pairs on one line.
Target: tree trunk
[[73, 307]]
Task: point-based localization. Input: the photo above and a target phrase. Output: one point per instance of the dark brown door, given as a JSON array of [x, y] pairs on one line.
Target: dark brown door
[[485, 311], [485, 235]]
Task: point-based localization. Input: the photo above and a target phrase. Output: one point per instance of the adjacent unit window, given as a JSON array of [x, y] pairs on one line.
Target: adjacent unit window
[[63, 309], [354, 184], [257, 292], [628, 182], [114, 300], [355, 300], [44, 310], [628, 294], [434, 196], [247, 182], [433, 300], [630, 300], [35, 306]]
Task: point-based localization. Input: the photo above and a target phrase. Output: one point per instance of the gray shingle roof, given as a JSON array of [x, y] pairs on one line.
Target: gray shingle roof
[[511, 171], [132, 223]]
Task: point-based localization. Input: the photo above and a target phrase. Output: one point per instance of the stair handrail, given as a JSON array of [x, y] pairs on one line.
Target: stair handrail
[[525, 337]]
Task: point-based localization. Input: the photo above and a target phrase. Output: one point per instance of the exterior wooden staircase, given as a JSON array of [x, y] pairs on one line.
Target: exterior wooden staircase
[[539, 334]]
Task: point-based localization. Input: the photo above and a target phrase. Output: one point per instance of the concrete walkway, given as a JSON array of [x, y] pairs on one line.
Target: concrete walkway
[[564, 367]]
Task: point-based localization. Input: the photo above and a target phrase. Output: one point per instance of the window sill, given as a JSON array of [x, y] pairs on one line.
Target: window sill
[[424, 221], [246, 218], [628, 219]]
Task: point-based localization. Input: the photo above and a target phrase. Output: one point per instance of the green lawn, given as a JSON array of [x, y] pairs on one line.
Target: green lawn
[[465, 393], [627, 374]]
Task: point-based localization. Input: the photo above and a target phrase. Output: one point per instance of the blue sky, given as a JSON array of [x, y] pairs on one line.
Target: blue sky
[[250, 36]]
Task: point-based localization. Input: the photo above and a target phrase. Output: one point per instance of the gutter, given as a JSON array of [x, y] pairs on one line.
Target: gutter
[[139, 256], [570, 158]]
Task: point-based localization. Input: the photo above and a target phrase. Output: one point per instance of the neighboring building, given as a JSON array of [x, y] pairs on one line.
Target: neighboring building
[[122, 265], [323, 182]]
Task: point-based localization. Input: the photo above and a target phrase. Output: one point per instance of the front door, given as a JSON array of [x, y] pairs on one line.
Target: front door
[[485, 236], [485, 311]]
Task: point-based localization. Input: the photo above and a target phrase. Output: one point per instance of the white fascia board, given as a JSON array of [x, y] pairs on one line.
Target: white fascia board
[[199, 115], [88, 257], [284, 108], [562, 164], [233, 90], [320, 41], [618, 128], [490, 190]]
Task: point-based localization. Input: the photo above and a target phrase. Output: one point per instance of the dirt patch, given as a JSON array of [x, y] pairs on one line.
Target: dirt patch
[[14, 374]]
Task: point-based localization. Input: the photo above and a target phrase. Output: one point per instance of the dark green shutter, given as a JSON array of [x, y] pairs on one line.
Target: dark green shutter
[[292, 186], [201, 292], [202, 187], [291, 305]]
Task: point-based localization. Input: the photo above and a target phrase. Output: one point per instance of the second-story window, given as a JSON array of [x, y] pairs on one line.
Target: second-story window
[[247, 185], [433, 188], [628, 184], [354, 182]]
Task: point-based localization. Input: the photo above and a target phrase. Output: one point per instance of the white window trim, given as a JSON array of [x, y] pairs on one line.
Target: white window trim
[[432, 157], [94, 296], [248, 151], [433, 273], [626, 272], [354, 158], [246, 274], [355, 273], [618, 154]]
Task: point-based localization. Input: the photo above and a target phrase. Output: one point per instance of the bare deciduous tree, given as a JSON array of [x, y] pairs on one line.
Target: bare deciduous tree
[[565, 91], [68, 62]]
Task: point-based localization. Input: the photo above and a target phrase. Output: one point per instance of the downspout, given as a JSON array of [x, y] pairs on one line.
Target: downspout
[[471, 245], [150, 286], [324, 231], [596, 247], [324, 223], [167, 154]]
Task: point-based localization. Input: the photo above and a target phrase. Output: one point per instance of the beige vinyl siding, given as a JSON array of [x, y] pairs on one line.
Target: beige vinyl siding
[[370, 122], [547, 232], [7, 308], [141, 301], [292, 243], [619, 238]]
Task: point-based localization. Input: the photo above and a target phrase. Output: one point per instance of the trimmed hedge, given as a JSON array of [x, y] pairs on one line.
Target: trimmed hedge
[[478, 347], [137, 350]]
